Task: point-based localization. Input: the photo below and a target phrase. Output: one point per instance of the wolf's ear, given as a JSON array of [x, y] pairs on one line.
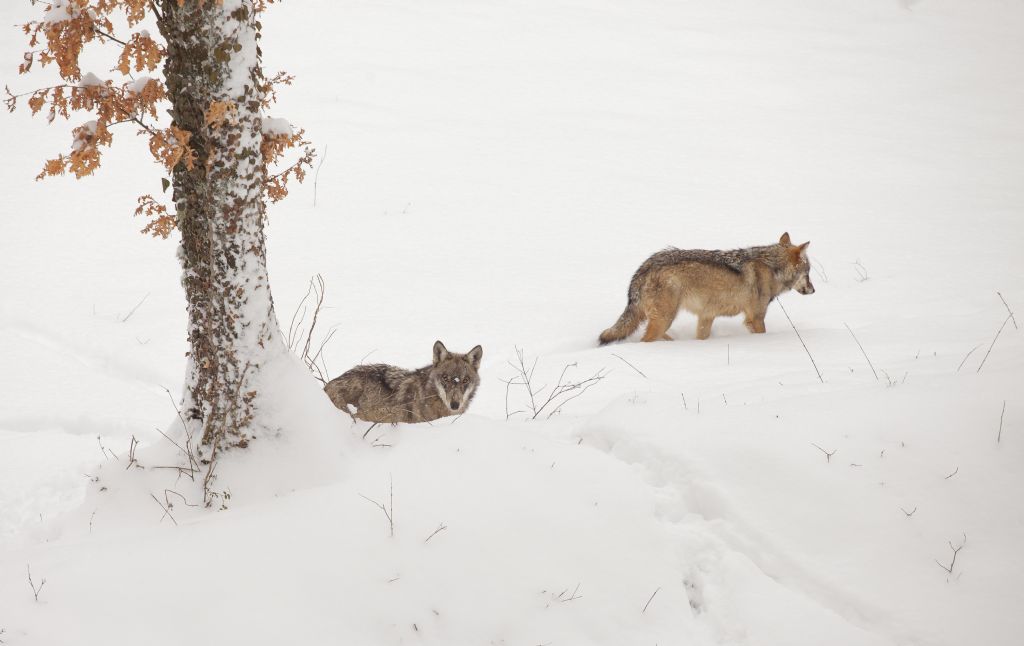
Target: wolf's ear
[[784, 240], [474, 356], [440, 352], [798, 254]]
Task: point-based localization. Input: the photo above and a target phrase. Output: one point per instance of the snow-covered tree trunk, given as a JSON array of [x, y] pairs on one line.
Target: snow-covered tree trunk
[[216, 88]]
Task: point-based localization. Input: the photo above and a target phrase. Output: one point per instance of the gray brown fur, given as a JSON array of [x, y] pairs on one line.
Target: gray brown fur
[[383, 393], [710, 284]]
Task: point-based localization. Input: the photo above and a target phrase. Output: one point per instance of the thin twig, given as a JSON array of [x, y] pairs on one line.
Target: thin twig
[[828, 456], [105, 450], [372, 426], [390, 509], [999, 437], [108, 36], [167, 500], [571, 597], [863, 352], [556, 398], [440, 528], [909, 513], [813, 363], [131, 453], [966, 356], [314, 298], [955, 471], [640, 372], [1012, 317], [956, 550], [649, 601], [316, 176], [35, 590], [193, 461], [167, 512], [1008, 318], [129, 314]]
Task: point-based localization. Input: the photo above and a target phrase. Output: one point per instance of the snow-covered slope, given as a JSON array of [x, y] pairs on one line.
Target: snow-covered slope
[[492, 173]]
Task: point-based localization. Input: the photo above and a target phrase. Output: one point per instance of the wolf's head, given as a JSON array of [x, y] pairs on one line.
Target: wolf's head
[[798, 264], [455, 377]]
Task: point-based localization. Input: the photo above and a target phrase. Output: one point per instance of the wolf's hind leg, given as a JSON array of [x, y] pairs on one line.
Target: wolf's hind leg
[[656, 328], [661, 311], [704, 327]]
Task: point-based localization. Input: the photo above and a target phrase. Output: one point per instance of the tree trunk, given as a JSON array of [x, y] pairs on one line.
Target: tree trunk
[[213, 58]]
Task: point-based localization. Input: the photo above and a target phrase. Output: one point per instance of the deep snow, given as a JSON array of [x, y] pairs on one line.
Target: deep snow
[[493, 172]]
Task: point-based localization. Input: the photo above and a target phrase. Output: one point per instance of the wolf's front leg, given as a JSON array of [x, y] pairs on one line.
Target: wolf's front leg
[[754, 320], [756, 324]]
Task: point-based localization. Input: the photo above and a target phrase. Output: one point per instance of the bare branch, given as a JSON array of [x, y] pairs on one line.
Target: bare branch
[[1012, 317], [639, 372], [999, 436], [649, 600], [863, 352], [558, 396], [131, 454], [316, 176], [35, 590], [966, 356], [813, 363], [129, 314], [167, 511], [956, 550], [103, 34], [440, 528], [561, 598], [389, 511], [298, 336], [372, 426], [828, 455], [1000, 331]]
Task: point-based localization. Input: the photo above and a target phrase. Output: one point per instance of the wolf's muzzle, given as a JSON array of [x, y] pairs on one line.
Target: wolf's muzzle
[[454, 404]]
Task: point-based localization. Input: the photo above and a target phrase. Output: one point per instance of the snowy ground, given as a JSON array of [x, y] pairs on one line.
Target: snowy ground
[[493, 173]]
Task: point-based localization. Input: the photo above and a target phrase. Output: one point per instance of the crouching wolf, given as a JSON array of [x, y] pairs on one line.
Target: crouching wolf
[[383, 393], [710, 284]]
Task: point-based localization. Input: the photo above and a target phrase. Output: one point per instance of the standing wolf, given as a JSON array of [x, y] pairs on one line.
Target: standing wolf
[[710, 284], [383, 393]]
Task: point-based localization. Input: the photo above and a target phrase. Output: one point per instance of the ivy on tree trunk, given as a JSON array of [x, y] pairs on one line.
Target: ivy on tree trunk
[[213, 59]]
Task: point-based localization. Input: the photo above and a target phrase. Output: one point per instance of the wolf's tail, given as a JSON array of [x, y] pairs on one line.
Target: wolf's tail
[[628, 322]]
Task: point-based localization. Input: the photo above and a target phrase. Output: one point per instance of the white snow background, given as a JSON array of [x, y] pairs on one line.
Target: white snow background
[[493, 172]]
